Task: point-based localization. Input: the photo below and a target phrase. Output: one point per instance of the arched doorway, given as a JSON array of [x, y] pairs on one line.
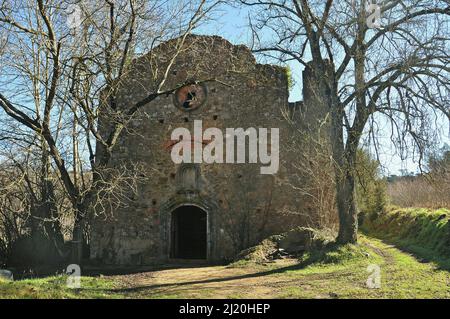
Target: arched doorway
[[188, 233]]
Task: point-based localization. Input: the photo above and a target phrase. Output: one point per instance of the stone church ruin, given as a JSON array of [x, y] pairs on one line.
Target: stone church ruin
[[197, 210]]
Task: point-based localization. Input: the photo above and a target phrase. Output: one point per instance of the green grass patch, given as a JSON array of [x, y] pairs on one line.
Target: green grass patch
[[421, 231], [342, 273], [55, 287], [336, 255]]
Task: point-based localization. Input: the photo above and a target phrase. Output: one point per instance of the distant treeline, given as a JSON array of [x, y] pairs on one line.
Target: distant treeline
[[430, 190]]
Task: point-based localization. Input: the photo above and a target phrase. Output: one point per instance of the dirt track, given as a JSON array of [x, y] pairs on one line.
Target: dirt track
[[207, 281], [403, 276]]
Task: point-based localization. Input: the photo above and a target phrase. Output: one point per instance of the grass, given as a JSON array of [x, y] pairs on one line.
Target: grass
[[330, 273], [55, 287], [343, 274], [424, 232]]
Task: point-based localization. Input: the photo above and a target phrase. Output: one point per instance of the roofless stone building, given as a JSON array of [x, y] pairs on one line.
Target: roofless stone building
[[201, 210]]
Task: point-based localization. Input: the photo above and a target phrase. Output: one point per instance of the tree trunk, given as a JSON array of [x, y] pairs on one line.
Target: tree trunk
[[46, 236], [324, 91], [77, 236], [345, 198], [344, 157]]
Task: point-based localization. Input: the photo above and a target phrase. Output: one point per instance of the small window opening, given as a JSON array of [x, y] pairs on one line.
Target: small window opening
[[190, 98]]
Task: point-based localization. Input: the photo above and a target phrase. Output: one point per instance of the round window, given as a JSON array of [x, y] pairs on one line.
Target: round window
[[190, 97]]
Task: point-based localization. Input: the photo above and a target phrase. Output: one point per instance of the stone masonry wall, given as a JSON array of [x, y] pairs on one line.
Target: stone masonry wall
[[242, 204]]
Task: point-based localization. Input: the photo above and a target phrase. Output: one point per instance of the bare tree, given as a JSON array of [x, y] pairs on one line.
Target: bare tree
[[430, 189], [248, 221], [62, 64], [365, 73], [314, 181], [30, 207]]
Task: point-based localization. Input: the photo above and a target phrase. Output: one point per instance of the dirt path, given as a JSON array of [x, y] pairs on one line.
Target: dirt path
[[403, 277], [383, 252], [342, 273], [208, 281]]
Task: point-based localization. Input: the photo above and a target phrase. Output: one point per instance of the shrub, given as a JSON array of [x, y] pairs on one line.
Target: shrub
[[370, 186], [419, 191]]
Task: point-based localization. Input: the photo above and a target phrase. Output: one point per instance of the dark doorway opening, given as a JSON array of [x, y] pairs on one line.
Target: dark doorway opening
[[189, 226]]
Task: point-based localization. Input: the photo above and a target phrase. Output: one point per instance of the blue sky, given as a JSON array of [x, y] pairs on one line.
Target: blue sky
[[231, 24]]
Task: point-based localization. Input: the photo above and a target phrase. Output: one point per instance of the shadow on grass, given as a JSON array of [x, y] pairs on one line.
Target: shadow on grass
[[107, 270], [318, 256], [96, 270], [206, 281]]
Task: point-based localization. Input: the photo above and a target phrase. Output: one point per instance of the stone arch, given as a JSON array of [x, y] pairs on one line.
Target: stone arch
[[206, 204], [188, 233]]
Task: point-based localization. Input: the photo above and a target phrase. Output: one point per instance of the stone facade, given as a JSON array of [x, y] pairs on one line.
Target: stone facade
[[241, 205]]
